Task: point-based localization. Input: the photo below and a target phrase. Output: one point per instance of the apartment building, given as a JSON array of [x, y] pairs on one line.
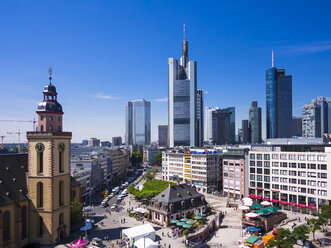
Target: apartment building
[[196, 167], [293, 176]]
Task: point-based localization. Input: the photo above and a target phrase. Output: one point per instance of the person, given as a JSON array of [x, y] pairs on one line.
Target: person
[[162, 234], [169, 246]]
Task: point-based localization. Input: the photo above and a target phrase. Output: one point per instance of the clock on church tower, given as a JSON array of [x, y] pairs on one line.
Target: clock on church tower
[[49, 172]]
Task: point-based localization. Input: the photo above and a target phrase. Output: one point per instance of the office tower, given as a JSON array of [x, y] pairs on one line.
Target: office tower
[[311, 121], [297, 126], [221, 126], [138, 123], [278, 103], [117, 141], [93, 142], [200, 123], [208, 131], [255, 123], [84, 142], [182, 106], [232, 110], [321, 101], [163, 135], [245, 132], [328, 100]]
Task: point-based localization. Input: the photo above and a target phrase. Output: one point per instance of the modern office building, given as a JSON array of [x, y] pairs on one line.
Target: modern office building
[[221, 129], [208, 131], [198, 168], [105, 143], [84, 142], [182, 103], [255, 123], [278, 103], [296, 126], [235, 173], [93, 142], [323, 103], [199, 126], [163, 135], [291, 176], [138, 123], [116, 141], [311, 121], [232, 111], [245, 132]]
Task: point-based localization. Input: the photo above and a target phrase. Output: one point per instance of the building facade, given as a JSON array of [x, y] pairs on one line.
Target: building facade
[[297, 126], [221, 127], [293, 176], [138, 123], [311, 121], [325, 106], [182, 103], [163, 135], [255, 123], [245, 132], [278, 103], [93, 142], [199, 126], [199, 168], [208, 126], [232, 111], [116, 141]]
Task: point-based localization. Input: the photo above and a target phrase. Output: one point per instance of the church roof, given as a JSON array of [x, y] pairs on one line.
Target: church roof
[[177, 193], [13, 183]]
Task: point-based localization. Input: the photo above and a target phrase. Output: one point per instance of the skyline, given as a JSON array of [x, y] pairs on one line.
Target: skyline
[[89, 62]]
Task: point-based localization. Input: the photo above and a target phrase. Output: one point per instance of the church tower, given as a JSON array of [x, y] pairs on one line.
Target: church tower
[[49, 172]]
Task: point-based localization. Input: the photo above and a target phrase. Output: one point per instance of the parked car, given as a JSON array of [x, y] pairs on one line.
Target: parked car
[[104, 205]]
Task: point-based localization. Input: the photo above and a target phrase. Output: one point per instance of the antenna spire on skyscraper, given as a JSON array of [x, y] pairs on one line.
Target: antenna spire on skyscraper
[[184, 30], [272, 58]]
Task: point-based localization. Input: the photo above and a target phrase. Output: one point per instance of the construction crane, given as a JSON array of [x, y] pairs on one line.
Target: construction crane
[[33, 121], [2, 137], [19, 139]]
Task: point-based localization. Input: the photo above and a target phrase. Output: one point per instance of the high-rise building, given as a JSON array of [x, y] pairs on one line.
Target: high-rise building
[[93, 142], [163, 135], [255, 123], [278, 103], [138, 123], [182, 93], [311, 121], [84, 142], [221, 128], [208, 131], [232, 111], [200, 123], [297, 126], [117, 141], [245, 132], [321, 101]]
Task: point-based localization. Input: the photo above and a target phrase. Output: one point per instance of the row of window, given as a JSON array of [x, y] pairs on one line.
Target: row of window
[[289, 157]]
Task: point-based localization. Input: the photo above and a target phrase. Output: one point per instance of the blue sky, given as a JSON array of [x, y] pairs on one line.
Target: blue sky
[[104, 53]]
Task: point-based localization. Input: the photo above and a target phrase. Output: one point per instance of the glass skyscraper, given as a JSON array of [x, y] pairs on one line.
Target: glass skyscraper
[[278, 103], [138, 123], [182, 103], [232, 124], [200, 131], [255, 123]]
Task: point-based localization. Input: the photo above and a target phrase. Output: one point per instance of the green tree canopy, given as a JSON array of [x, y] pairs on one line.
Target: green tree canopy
[[76, 212], [151, 188], [136, 158], [158, 158]]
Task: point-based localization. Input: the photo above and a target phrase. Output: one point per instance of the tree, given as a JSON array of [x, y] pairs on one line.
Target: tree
[[316, 225], [300, 233], [285, 239], [186, 232], [136, 158], [158, 158], [76, 212], [325, 214]]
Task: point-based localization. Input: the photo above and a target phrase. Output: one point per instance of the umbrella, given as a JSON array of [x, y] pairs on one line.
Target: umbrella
[[248, 204], [187, 226], [253, 229], [190, 222], [173, 221], [179, 223], [85, 228], [183, 220], [80, 243], [244, 208], [197, 217], [251, 215], [272, 209], [262, 211], [256, 206], [265, 203], [247, 199]]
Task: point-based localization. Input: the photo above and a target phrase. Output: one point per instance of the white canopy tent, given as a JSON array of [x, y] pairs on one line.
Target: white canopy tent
[[137, 232], [145, 243]]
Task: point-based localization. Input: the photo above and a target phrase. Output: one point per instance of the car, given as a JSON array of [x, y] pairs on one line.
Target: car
[[104, 205]]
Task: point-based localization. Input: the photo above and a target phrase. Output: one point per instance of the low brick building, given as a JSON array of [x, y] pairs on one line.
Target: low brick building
[[176, 202]]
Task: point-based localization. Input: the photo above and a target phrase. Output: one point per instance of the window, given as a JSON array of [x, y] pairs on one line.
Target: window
[[42, 128], [259, 163], [291, 157], [321, 158], [312, 166], [59, 129], [61, 219], [59, 118], [266, 157], [252, 184], [259, 178], [40, 195], [322, 166], [259, 156], [252, 163], [275, 164], [275, 156], [252, 156], [259, 185], [41, 227], [275, 186], [283, 156], [322, 175], [267, 178], [40, 162], [41, 118], [267, 171], [61, 191], [266, 164], [24, 222], [252, 170], [311, 157], [301, 157], [267, 185], [259, 170], [6, 226], [283, 164], [61, 149], [50, 128], [252, 177], [51, 118]]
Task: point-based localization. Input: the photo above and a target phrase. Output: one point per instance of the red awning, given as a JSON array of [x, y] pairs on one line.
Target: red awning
[[292, 203], [301, 205], [283, 202], [274, 200], [252, 196], [259, 197], [275, 190], [266, 199], [311, 207], [259, 189]]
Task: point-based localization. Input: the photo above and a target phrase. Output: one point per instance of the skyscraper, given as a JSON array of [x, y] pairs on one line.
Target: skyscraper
[[255, 123], [245, 132], [221, 128], [232, 110], [200, 131], [208, 133], [311, 121], [182, 93], [163, 135], [322, 102], [297, 126], [138, 123], [278, 103]]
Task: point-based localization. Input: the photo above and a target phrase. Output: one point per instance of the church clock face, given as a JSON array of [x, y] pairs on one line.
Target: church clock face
[[61, 147], [40, 147]]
